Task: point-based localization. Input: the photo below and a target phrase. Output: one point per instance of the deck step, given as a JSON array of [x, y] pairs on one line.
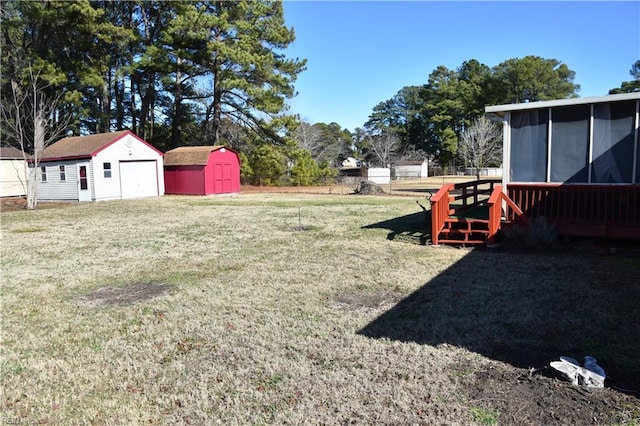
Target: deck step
[[445, 241], [465, 231], [462, 225], [465, 220]]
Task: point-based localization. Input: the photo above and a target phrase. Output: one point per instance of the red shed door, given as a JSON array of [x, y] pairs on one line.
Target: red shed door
[[222, 178]]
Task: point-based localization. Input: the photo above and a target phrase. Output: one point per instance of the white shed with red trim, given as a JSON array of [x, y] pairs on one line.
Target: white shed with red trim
[[105, 166]]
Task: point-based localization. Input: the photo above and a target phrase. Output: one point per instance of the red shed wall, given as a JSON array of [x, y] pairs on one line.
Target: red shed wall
[[222, 175], [187, 180]]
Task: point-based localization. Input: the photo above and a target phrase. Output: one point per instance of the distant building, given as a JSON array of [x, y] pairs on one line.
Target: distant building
[[351, 163], [411, 169]]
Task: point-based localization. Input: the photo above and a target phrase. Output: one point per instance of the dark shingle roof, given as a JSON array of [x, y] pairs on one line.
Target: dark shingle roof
[[10, 153], [189, 155], [80, 146]]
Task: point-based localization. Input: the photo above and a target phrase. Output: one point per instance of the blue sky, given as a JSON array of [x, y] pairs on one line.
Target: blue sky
[[361, 53]]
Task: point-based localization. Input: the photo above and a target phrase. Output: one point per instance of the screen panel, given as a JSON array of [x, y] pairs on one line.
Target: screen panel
[[613, 138], [570, 144], [528, 158]]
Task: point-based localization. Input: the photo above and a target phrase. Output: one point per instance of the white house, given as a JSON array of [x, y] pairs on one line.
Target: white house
[[104, 166], [12, 173]]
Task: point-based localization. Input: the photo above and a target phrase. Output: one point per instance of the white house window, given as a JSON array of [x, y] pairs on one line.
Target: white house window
[[43, 173], [63, 174], [107, 170]]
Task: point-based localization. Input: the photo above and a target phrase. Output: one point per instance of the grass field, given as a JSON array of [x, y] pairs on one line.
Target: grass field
[[300, 309]]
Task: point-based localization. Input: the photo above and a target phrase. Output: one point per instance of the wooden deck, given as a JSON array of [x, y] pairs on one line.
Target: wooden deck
[[473, 212], [469, 213], [582, 210]]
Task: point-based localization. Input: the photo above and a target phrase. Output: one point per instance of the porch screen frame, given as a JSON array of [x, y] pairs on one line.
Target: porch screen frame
[[532, 136]]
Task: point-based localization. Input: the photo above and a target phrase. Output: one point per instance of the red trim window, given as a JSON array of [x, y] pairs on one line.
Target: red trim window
[[84, 184]]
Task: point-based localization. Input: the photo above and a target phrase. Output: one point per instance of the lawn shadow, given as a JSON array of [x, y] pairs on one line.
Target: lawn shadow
[[415, 227], [527, 309]]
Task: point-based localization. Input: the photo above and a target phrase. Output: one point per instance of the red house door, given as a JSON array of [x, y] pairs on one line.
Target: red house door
[[222, 179]]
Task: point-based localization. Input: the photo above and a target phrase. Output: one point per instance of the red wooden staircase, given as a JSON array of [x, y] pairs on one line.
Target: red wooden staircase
[[464, 231], [470, 213]]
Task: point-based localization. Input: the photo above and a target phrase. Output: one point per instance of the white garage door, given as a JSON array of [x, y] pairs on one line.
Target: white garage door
[[138, 179]]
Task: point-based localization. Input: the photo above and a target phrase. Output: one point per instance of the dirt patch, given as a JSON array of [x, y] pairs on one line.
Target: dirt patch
[[13, 204], [127, 295], [526, 397], [365, 302]]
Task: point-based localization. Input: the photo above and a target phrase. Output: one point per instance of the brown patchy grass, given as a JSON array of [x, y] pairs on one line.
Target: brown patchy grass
[[299, 308]]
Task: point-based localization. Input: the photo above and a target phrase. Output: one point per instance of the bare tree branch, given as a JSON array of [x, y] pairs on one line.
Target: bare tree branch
[[384, 146], [481, 145], [33, 121], [311, 139]]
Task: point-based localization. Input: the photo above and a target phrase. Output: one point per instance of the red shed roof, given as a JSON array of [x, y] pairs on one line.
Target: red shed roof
[[191, 155], [86, 146]]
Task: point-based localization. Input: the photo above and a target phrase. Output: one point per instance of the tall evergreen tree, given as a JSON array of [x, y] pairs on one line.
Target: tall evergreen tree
[[143, 64], [630, 86], [533, 78], [250, 78], [65, 44], [432, 117]]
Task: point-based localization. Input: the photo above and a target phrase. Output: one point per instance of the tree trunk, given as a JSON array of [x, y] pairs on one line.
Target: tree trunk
[[118, 93], [177, 110], [38, 146], [217, 105], [217, 116], [134, 116], [105, 109], [146, 108]]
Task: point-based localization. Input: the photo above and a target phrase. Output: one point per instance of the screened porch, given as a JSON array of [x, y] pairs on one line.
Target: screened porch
[[576, 162]]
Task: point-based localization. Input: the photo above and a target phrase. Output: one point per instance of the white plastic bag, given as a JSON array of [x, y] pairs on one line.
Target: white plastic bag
[[590, 376]]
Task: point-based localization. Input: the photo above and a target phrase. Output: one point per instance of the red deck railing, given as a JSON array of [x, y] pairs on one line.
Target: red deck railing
[[452, 199], [470, 194], [575, 210], [440, 211], [582, 210], [497, 202]]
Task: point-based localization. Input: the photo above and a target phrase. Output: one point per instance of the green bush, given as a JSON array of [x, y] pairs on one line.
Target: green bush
[[305, 170], [268, 163]]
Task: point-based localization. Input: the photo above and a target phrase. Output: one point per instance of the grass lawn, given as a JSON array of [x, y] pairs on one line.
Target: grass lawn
[[300, 309]]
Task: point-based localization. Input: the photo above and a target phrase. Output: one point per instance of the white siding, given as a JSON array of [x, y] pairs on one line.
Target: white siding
[[55, 189], [379, 175], [484, 171], [105, 188], [413, 171], [126, 149], [12, 178]]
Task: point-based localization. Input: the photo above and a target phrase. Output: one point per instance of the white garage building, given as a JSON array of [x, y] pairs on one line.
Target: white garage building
[[105, 166]]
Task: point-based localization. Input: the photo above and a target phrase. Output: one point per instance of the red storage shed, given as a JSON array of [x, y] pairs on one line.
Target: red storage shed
[[201, 170]]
